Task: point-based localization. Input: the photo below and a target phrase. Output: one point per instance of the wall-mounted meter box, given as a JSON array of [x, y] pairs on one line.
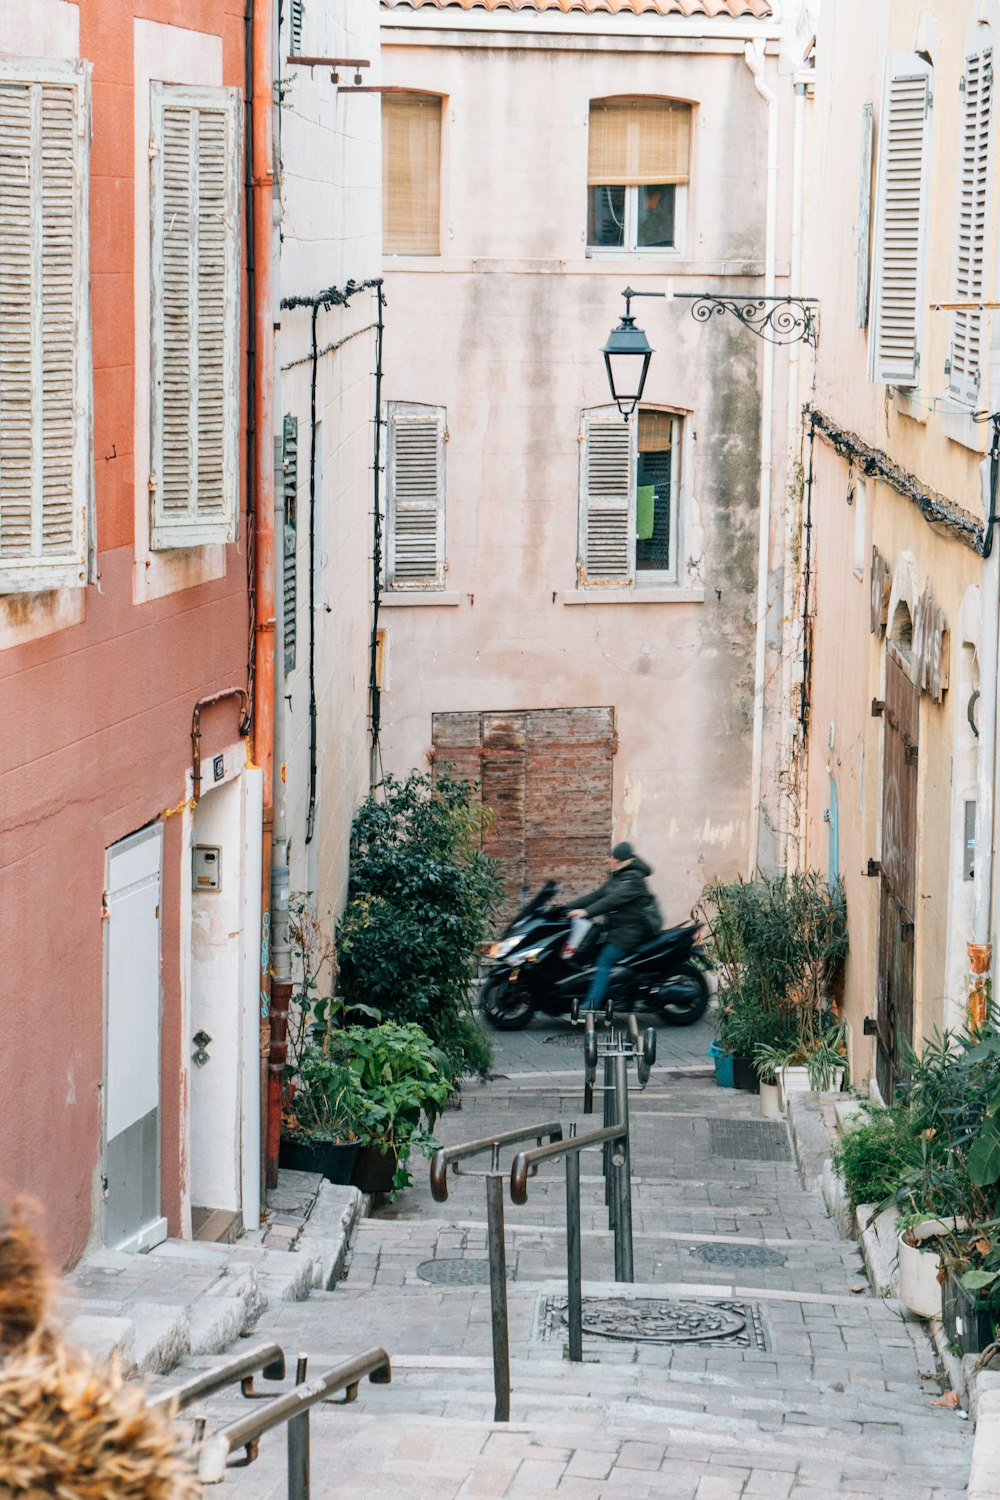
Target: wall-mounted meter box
[[206, 867]]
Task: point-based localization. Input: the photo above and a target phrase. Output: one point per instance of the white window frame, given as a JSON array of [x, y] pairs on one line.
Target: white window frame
[[964, 385], [884, 368], [631, 229], [399, 414], [191, 529], [637, 578], [76, 567]]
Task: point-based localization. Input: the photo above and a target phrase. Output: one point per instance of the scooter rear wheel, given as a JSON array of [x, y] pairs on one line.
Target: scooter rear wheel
[[684, 998], [508, 1007]]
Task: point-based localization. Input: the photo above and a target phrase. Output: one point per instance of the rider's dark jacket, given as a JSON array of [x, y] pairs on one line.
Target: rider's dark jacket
[[633, 916]]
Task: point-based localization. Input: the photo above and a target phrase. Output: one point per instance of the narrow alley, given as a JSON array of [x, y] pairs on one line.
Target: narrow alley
[[795, 1383]]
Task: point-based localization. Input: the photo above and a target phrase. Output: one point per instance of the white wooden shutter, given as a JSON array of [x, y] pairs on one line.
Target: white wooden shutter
[[290, 480], [606, 488], [973, 189], [415, 496], [46, 408], [900, 222], [195, 152]]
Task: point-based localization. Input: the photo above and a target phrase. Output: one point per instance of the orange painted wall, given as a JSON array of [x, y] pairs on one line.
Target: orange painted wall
[[95, 720]]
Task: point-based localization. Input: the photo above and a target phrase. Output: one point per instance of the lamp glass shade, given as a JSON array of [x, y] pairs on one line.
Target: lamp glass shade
[[626, 355]]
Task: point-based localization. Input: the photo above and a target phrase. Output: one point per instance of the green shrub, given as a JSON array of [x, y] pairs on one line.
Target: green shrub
[[420, 898], [873, 1156]]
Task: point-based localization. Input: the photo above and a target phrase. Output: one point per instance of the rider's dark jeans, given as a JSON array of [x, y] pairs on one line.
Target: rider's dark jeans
[[607, 957]]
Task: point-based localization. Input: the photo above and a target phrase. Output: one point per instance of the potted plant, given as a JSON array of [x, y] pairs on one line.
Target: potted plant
[[779, 946], [399, 1083], [318, 1125], [769, 1060]]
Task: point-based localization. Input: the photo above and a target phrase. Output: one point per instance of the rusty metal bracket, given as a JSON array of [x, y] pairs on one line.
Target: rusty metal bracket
[[874, 867], [878, 708], [203, 703]]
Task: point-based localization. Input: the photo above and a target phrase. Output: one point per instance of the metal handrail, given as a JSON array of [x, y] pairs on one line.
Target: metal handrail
[[526, 1163], [265, 1359], [292, 1408], [450, 1156]]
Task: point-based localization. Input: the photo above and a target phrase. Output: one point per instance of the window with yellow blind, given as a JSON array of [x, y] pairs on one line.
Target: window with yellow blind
[[637, 174], [411, 174]]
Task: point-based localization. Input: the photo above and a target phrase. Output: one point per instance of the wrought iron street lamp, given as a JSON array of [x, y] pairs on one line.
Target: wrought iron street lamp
[[779, 320], [626, 356]]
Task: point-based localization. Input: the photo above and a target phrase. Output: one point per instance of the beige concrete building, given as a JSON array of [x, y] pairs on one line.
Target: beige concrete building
[[899, 696], [588, 615]]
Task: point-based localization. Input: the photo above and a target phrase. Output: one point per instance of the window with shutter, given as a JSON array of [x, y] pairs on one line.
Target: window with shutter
[[290, 471], [606, 486], [296, 26], [973, 193], [415, 496], [46, 463], [900, 215], [195, 153]]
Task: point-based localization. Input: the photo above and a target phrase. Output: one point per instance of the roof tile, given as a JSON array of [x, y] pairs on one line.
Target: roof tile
[[730, 9]]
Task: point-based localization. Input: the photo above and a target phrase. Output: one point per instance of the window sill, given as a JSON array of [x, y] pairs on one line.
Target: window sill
[[907, 402], [639, 252], [401, 598], [958, 426], [666, 594]]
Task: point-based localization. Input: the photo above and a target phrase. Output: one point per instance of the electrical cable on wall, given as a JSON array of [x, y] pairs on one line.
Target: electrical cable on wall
[[325, 300]]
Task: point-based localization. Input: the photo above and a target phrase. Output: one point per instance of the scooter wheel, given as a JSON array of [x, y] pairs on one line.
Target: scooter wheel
[[507, 1007], [684, 998]]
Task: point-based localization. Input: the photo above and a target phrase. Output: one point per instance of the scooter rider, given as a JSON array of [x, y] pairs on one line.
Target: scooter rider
[[632, 913]]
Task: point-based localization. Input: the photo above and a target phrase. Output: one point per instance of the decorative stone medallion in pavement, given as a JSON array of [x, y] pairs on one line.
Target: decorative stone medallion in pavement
[[655, 1320], [738, 1255], [456, 1271]]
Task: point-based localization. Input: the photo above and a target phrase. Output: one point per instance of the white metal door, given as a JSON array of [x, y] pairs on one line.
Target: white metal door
[[132, 1219]]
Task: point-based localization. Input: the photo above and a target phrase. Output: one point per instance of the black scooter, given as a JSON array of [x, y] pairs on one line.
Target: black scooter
[[545, 958]]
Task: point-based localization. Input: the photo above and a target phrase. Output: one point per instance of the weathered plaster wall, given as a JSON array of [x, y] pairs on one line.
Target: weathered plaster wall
[[921, 433], [97, 717], [504, 330], [331, 204]]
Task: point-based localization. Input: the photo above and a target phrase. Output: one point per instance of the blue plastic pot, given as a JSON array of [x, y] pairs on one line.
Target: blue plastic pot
[[723, 1065]]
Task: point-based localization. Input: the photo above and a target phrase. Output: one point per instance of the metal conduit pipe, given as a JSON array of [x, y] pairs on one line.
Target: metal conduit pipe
[[753, 54], [202, 704]]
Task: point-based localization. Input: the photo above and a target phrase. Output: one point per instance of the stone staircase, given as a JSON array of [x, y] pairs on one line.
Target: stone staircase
[[811, 1388], [190, 1298]]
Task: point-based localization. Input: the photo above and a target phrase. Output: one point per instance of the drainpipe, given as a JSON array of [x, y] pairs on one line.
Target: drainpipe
[[792, 855], [986, 780], [753, 53], [262, 314]]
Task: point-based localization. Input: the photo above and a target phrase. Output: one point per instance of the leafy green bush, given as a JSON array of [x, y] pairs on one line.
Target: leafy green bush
[[872, 1156], [420, 897], [397, 1080]]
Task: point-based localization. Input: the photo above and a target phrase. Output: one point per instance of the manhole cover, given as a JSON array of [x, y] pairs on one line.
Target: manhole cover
[[654, 1320], [456, 1271], [738, 1255], [749, 1140]]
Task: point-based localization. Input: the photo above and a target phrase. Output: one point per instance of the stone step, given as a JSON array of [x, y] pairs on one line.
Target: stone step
[[379, 1452]]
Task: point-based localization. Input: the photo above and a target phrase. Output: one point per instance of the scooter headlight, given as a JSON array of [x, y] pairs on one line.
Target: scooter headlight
[[503, 947]]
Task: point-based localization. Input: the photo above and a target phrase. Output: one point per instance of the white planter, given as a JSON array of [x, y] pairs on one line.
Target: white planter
[[919, 1288], [770, 1103], [791, 1081]]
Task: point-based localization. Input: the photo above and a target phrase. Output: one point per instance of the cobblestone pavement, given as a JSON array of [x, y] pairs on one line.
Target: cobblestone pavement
[[808, 1389]]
